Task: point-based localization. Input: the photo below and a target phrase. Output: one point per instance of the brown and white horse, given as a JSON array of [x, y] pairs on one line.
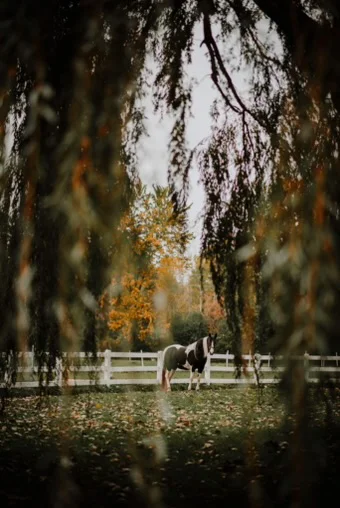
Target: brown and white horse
[[192, 358]]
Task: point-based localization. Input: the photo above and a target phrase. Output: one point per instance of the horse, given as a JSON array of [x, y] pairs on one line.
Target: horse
[[193, 358]]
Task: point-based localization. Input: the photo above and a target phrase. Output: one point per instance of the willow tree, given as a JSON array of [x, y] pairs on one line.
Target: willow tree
[[72, 79], [68, 91], [73, 76]]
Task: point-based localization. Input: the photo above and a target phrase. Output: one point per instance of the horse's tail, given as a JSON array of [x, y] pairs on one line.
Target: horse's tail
[[163, 379], [164, 383]]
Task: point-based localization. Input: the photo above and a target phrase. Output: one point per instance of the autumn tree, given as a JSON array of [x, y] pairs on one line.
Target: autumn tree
[[148, 279]]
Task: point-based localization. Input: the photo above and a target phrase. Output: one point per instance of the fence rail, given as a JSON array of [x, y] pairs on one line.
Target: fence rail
[[110, 368]]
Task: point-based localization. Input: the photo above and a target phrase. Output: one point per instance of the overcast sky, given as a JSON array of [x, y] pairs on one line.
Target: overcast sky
[[154, 152]]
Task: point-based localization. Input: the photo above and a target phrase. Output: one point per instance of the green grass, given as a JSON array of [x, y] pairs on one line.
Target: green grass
[[133, 448]]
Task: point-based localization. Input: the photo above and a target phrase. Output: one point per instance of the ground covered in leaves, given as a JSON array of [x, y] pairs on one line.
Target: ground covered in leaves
[[147, 448]]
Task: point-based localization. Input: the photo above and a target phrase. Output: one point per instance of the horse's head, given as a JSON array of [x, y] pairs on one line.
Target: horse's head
[[211, 343]]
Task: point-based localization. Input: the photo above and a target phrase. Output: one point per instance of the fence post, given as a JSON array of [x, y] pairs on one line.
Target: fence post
[[306, 365], [207, 371], [107, 367], [227, 358], [59, 371], [32, 358], [142, 358], [159, 366]]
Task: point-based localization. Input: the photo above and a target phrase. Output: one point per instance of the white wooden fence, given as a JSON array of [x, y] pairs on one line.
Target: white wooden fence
[[117, 368]]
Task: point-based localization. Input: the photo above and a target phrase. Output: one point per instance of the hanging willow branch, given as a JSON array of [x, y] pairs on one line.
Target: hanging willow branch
[[72, 82]]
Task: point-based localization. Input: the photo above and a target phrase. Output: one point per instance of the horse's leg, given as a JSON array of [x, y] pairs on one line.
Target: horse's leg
[[168, 379], [192, 374], [198, 380]]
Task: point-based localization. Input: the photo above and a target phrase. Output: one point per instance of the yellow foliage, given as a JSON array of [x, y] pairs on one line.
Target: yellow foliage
[[148, 273]]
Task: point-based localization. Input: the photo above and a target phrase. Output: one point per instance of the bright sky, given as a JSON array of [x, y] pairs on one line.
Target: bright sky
[[154, 154]]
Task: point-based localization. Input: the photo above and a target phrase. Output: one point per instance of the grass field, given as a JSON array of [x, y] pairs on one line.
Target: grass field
[[147, 448]]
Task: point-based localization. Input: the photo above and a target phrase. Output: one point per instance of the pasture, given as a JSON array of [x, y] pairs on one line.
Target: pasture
[[148, 448]]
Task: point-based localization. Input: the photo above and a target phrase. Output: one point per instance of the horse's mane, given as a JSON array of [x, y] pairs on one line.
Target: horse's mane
[[199, 349]]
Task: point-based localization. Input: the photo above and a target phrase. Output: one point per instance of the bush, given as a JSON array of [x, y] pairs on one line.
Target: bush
[[186, 328], [224, 337]]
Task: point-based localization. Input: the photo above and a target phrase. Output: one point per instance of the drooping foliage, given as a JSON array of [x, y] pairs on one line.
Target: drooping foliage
[[73, 77], [69, 73]]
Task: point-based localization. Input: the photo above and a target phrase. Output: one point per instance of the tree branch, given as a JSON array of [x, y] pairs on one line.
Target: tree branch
[[218, 65], [313, 45]]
